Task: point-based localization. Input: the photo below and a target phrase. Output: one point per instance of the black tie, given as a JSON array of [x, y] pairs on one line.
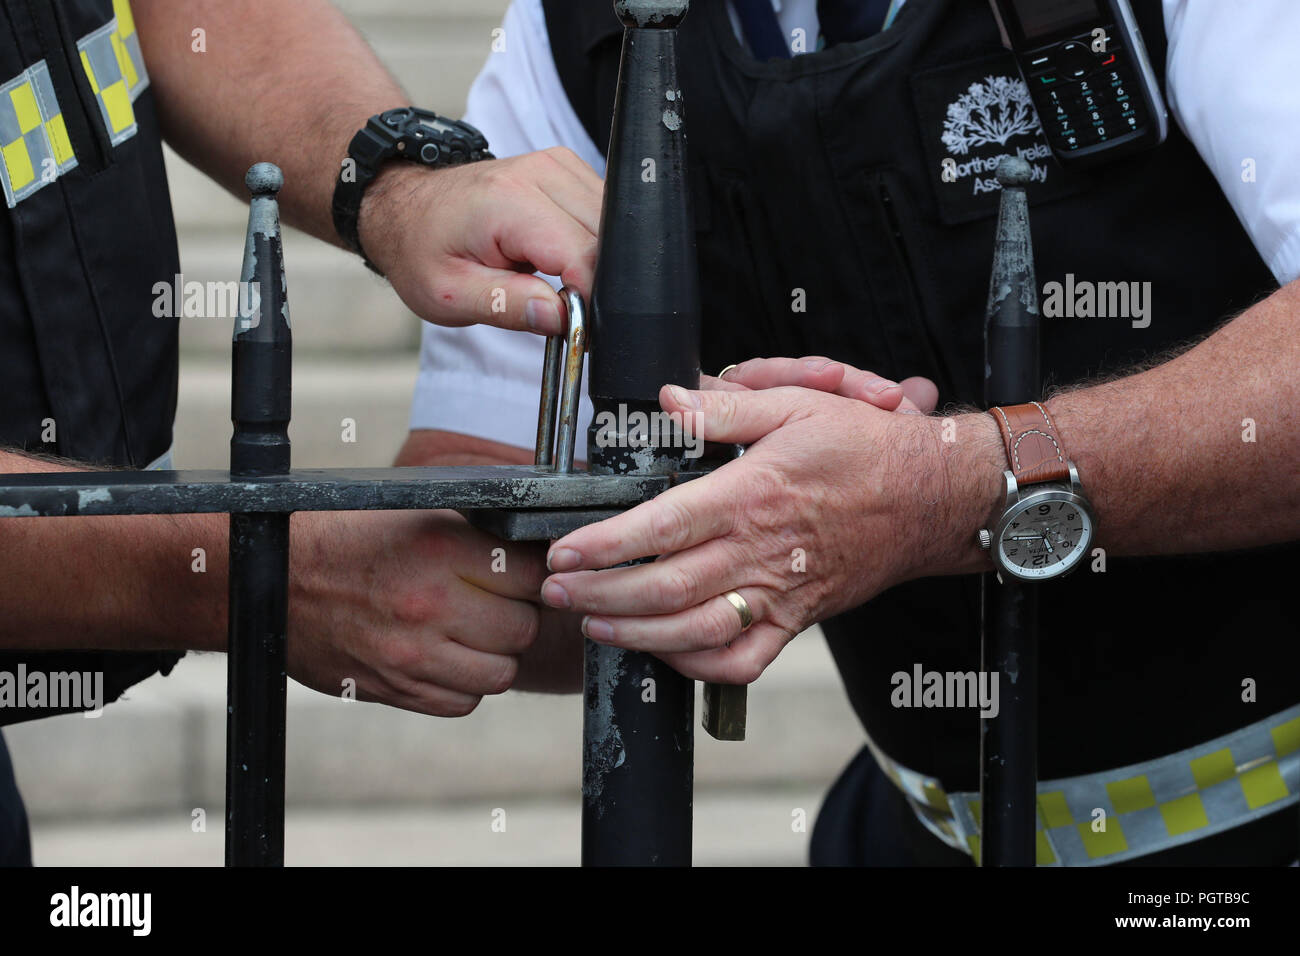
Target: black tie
[[844, 21], [761, 28]]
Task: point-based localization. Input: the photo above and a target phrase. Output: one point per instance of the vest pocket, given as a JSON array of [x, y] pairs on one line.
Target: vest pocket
[[897, 271], [745, 280]]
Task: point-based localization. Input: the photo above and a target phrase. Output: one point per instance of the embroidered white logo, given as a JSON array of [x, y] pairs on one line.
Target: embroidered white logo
[[989, 112], [992, 112]]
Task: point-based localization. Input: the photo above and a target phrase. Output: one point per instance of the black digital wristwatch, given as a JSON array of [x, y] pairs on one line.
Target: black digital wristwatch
[[408, 133]]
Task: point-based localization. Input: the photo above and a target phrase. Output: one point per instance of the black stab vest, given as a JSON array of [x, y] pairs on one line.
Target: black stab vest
[[79, 342], [822, 173]]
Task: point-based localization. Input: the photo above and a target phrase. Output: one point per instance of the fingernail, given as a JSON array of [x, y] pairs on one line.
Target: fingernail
[[683, 397], [881, 385], [554, 595], [818, 364], [542, 316], [563, 559], [596, 629]]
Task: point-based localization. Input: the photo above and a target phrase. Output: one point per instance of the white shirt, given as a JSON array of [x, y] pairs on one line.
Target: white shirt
[[1230, 85]]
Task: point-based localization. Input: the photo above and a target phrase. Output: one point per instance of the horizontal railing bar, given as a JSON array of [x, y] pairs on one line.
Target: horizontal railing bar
[[60, 494]]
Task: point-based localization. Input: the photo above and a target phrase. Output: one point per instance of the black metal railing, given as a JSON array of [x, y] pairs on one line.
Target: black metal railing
[[1009, 608]]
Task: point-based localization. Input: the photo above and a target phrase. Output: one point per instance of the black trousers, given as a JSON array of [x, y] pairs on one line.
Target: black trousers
[[15, 837]]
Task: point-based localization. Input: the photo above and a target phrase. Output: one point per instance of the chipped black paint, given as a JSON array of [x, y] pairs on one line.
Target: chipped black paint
[[1009, 610], [258, 615], [60, 494], [638, 744]]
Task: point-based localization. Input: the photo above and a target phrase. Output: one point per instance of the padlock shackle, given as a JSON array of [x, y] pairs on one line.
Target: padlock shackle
[[557, 415]]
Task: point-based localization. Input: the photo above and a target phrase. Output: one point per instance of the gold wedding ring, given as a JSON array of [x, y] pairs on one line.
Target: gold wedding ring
[[723, 373], [742, 608]]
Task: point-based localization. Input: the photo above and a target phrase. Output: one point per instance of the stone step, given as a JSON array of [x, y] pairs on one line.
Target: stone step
[[163, 749], [373, 391], [731, 828], [336, 304], [435, 53], [359, 11]]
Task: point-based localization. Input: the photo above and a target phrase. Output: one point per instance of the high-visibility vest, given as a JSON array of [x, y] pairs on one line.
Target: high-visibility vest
[[87, 369]]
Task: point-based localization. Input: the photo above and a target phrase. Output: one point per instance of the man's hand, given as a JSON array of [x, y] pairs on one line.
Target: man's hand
[[817, 372], [554, 663], [833, 502], [417, 608], [447, 238], [873, 499], [459, 244], [409, 607]]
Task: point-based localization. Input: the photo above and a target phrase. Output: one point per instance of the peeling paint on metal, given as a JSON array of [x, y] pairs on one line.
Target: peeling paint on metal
[[284, 309], [645, 13], [248, 318], [92, 495], [200, 492], [604, 746], [1013, 261], [265, 180]]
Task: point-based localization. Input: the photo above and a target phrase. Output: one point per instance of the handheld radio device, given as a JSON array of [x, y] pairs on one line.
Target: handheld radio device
[[1088, 75]]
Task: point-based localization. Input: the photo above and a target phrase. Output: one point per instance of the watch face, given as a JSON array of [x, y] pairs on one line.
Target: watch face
[[1044, 535], [436, 126]]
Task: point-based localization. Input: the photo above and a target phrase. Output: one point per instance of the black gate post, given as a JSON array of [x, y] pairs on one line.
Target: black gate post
[[638, 726], [1009, 612], [259, 543]]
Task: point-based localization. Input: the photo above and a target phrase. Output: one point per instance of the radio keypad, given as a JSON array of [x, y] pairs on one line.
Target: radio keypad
[[1084, 98]]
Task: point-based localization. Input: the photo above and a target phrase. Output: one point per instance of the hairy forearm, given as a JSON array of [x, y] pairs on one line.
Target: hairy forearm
[[286, 81], [124, 583], [429, 446], [1196, 454], [1200, 453]]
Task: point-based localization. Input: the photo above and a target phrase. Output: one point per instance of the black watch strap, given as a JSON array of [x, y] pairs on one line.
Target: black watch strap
[[419, 136]]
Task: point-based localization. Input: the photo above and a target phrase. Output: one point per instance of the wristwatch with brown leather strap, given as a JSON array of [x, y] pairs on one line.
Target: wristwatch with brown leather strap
[[1045, 525]]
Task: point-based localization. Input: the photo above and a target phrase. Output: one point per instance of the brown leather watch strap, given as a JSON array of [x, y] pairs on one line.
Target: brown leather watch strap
[[1033, 447]]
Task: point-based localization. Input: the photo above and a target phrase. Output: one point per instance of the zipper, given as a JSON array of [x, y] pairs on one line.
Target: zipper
[[894, 230]]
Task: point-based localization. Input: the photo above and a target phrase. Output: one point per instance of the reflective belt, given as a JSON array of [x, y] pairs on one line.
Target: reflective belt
[[1145, 807], [162, 463], [34, 145]]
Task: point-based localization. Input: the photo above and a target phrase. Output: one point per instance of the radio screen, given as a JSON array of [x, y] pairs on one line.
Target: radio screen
[[1042, 17]]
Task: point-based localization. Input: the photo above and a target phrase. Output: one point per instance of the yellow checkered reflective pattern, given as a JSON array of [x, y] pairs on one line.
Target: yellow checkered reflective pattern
[[34, 146], [114, 65], [1148, 807]]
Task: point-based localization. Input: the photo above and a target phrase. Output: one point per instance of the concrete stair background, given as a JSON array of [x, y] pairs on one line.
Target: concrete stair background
[[367, 784], [355, 344], [123, 788]]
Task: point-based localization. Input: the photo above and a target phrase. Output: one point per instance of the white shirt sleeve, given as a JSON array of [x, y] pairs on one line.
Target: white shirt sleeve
[[480, 380], [1232, 88]]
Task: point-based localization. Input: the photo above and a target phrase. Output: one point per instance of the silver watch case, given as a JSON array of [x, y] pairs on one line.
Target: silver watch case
[[1017, 501]]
